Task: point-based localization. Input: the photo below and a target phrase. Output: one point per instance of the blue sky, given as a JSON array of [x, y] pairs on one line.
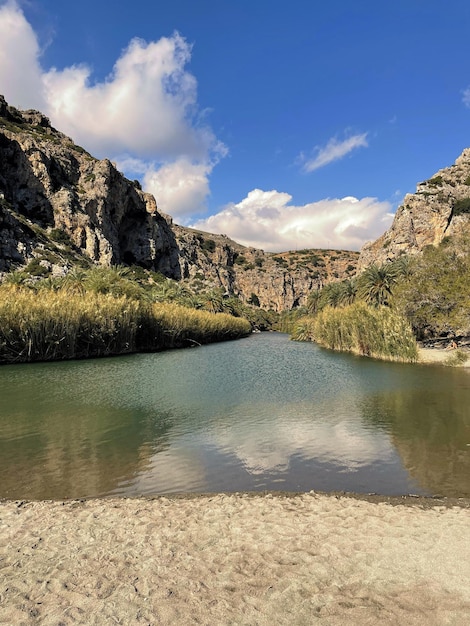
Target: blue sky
[[281, 124]]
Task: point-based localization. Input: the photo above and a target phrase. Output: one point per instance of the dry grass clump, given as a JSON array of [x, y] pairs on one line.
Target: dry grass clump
[[361, 329], [53, 325], [170, 325], [459, 357]]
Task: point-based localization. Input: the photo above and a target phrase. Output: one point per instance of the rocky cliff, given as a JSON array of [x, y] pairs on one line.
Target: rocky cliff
[[47, 183], [60, 206], [439, 208], [272, 281]]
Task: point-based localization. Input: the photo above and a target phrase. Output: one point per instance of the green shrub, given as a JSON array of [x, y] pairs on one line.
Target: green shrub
[[435, 182], [280, 260], [60, 236], [459, 357], [461, 206], [208, 245], [34, 268], [434, 295]]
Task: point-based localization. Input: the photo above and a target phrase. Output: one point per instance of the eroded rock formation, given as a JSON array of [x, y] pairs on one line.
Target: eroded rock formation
[[439, 208], [47, 182]]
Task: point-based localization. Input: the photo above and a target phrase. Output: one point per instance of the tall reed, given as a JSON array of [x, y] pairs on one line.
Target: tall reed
[[361, 329], [53, 325]]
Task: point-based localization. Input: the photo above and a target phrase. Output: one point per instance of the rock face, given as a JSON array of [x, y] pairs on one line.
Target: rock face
[[60, 206], [47, 182], [439, 208], [272, 281]]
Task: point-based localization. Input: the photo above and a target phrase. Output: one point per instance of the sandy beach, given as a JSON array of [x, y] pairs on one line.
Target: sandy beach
[[236, 559], [439, 356]]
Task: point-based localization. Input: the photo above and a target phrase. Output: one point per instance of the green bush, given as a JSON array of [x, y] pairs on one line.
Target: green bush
[[461, 206], [208, 245], [434, 295], [60, 236], [435, 182], [34, 268]]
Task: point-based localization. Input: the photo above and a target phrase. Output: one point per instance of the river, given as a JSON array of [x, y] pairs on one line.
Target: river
[[260, 413]]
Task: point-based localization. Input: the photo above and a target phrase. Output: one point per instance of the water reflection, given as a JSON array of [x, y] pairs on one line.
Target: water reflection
[[259, 413], [61, 438], [430, 429]]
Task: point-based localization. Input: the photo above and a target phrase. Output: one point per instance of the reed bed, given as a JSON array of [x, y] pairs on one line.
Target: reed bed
[[361, 329], [55, 325]]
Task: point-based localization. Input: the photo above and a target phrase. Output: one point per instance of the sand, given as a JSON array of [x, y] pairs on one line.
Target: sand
[[235, 559], [440, 356]]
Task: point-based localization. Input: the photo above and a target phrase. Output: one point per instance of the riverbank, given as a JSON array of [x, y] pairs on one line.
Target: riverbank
[[62, 325], [443, 356], [235, 559]]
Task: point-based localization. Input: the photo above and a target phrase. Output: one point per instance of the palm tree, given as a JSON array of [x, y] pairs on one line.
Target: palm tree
[[403, 266], [313, 301], [376, 284], [347, 292], [213, 301], [331, 295], [74, 280]]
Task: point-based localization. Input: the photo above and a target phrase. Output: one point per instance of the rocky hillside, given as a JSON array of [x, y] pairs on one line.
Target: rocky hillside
[[439, 208], [60, 206], [50, 186], [271, 281]]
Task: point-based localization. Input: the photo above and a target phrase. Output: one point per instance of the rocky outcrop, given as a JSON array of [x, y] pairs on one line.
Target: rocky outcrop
[[439, 208], [272, 281], [60, 206], [47, 182]]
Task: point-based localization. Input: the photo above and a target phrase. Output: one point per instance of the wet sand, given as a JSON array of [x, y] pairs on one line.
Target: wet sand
[[236, 559]]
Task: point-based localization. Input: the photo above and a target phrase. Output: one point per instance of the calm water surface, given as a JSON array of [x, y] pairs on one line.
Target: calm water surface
[[255, 414]]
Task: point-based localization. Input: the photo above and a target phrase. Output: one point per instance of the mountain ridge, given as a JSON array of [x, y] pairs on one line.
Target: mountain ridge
[[60, 206]]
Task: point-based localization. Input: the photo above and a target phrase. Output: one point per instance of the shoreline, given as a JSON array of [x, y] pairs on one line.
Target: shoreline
[[439, 356], [408, 499], [255, 558]]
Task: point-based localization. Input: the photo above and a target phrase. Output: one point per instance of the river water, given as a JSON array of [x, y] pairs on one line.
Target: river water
[[261, 413]]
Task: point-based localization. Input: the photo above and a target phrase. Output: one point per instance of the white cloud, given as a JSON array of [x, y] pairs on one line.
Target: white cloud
[[145, 109], [268, 220], [181, 187], [146, 106], [333, 151], [330, 442], [20, 73], [466, 97]]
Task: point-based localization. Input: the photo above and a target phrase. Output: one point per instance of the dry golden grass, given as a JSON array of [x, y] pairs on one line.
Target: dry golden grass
[[361, 329], [49, 325]]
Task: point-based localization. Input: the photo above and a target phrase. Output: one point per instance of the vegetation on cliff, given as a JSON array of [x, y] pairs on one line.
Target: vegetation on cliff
[[382, 311], [435, 296]]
